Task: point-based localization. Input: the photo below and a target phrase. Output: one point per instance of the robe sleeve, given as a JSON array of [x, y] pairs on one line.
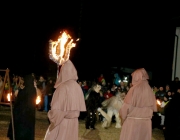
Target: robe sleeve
[[58, 106], [123, 112], [55, 117], [155, 105]]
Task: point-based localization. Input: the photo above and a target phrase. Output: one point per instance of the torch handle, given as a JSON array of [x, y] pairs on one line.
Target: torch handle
[[57, 70], [12, 118]]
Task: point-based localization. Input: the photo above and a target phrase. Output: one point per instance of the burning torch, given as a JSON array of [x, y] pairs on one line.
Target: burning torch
[[9, 96], [59, 51], [39, 94], [38, 100]]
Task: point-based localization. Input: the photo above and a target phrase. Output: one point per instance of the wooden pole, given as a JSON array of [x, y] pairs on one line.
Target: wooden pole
[[12, 119], [2, 70], [10, 92], [2, 92], [7, 78], [57, 70]]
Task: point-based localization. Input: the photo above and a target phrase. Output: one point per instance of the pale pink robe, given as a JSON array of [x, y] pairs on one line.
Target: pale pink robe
[[67, 102], [138, 107]]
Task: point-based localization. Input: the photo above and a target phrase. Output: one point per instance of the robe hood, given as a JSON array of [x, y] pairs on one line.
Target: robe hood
[[67, 72]]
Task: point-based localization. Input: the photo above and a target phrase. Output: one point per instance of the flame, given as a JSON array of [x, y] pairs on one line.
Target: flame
[[38, 99], [158, 102], [59, 51], [9, 97]]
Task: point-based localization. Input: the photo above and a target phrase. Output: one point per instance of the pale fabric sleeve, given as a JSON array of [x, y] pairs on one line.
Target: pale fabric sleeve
[[59, 101], [55, 117], [123, 112]]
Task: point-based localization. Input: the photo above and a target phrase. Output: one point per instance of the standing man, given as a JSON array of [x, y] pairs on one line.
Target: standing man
[[137, 110], [67, 102]]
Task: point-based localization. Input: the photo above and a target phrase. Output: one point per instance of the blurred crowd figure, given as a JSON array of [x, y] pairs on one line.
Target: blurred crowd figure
[[23, 125], [167, 117]]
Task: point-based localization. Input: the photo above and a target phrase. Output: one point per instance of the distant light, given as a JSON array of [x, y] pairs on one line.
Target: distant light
[[125, 81]]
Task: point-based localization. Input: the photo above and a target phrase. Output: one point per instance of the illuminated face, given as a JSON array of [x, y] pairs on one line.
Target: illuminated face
[[122, 83], [178, 90], [84, 83], [97, 88], [161, 88], [41, 78], [167, 87], [169, 93], [165, 99]]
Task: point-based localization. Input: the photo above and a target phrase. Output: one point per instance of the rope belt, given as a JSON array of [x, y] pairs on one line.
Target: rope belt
[[138, 118]]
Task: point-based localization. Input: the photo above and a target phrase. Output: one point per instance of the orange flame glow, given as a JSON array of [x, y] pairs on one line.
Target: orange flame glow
[[158, 102], [9, 97], [59, 51], [38, 99]]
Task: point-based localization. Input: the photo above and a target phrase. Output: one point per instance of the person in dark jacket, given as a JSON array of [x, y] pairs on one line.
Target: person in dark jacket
[[92, 103]]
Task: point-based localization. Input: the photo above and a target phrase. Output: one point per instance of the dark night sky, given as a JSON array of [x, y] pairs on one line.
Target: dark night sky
[[144, 35]]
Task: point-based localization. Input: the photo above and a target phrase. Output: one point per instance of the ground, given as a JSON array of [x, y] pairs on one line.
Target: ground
[[42, 124]]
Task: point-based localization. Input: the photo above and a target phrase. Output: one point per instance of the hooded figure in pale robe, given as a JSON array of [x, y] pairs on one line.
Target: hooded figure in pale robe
[[137, 110], [67, 102]]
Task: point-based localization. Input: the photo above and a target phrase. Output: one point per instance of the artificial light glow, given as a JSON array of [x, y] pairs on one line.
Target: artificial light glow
[[125, 80]]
